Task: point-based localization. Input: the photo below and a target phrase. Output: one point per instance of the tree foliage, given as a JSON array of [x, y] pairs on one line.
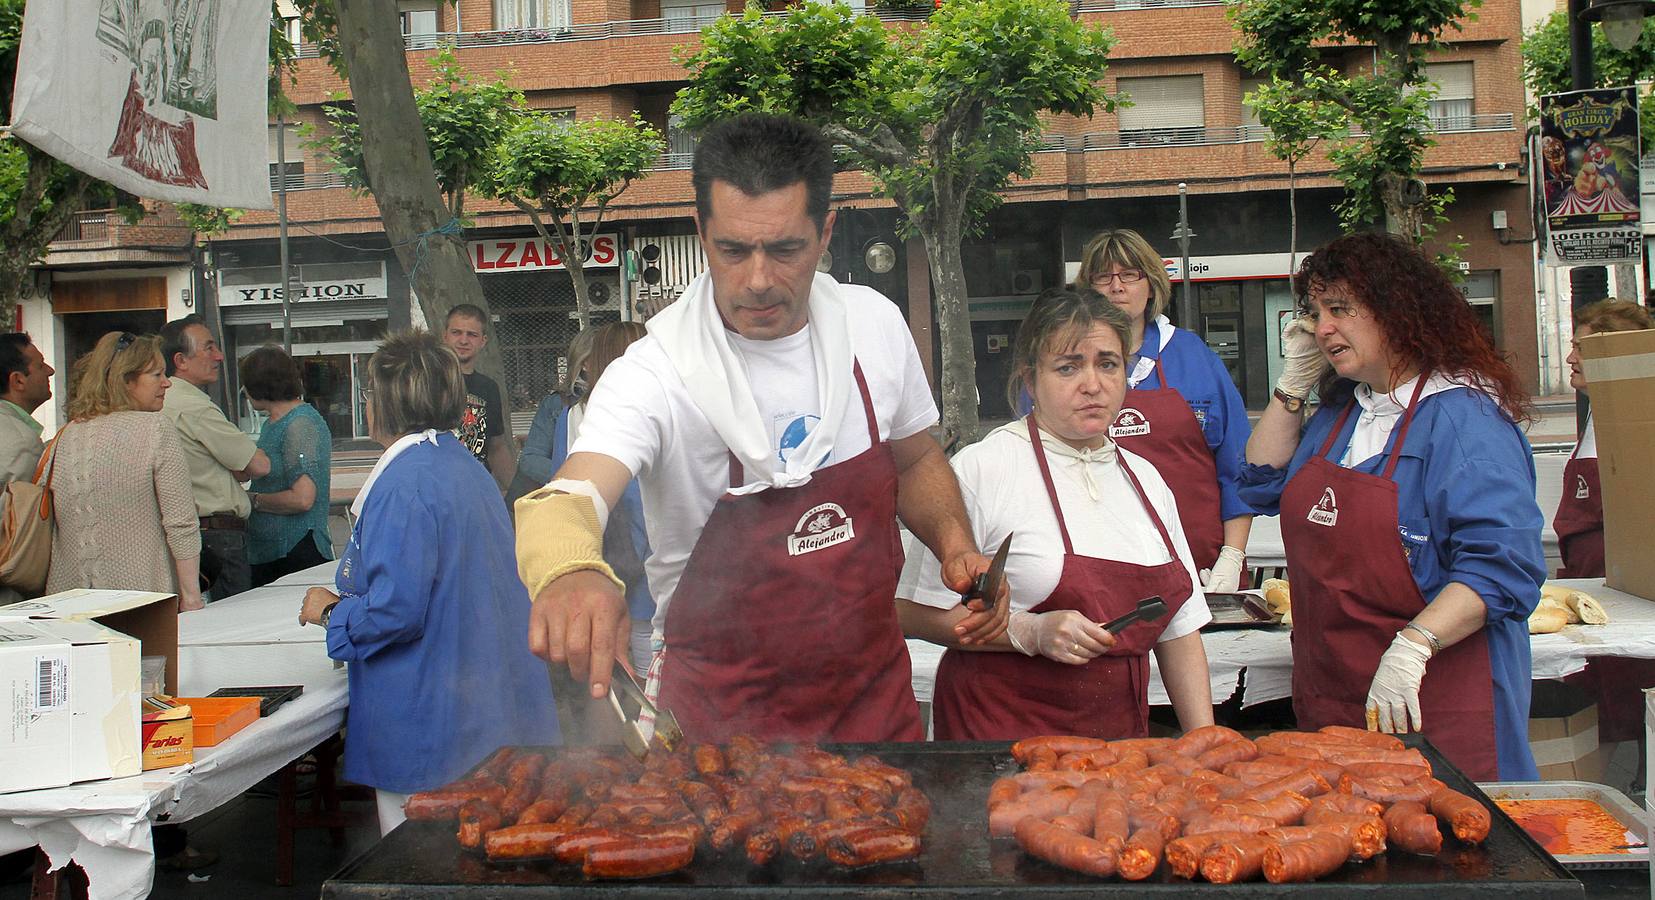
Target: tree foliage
[[1377, 119], [555, 170], [1546, 65], [942, 116]]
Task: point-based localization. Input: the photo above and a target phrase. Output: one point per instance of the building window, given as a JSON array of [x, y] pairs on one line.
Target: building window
[[419, 23], [518, 15], [1251, 128], [293, 153], [1166, 109], [680, 142], [1452, 107], [690, 15]]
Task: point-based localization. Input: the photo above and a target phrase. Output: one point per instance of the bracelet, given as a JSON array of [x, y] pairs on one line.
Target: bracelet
[[1436, 645]]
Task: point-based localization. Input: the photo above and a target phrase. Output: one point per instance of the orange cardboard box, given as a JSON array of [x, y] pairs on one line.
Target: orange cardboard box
[[216, 718], [169, 736]]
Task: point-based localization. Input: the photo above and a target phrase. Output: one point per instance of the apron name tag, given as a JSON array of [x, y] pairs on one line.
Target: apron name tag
[[1326, 510], [1582, 490], [1129, 423], [822, 526]]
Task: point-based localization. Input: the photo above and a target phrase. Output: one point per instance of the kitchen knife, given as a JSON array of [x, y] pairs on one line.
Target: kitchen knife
[[1148, 611], [988, 584]]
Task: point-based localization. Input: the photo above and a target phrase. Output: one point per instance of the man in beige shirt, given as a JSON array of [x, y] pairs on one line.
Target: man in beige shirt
[[25, 383], [220, 456]]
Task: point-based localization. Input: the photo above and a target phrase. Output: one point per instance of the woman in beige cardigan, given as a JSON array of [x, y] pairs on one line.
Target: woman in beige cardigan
[[121, 490]]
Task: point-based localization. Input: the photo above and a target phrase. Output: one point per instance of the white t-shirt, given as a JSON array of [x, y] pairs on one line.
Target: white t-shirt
[[1379, 414], [641, 415], [1588, 446], [1004, 493]]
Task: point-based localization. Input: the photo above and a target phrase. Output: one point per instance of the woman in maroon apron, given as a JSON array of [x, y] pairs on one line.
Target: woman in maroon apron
[[1617, 682], [1407, 511], [1057, 483], [1192, 426]]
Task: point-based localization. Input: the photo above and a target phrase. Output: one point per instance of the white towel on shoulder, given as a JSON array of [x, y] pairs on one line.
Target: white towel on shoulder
[[693, 334]]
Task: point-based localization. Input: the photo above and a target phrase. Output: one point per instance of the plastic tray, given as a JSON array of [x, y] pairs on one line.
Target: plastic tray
[[1244, 609], [1613, 802]]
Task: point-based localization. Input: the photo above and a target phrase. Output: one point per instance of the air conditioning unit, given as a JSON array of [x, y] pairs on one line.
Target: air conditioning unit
[[1025, 281], [599, 292]]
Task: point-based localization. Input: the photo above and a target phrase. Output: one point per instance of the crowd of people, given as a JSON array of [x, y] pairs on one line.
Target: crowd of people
[[718, 503]]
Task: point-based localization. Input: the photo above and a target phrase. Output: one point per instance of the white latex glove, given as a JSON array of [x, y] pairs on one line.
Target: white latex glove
[[1225, 575], [1304, 363], [1395, 691], [1063, 635]]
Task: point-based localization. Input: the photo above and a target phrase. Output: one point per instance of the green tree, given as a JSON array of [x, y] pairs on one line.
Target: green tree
[[1546, 65], [464, 120], [1296, 127], [555, 170], [942, 116], [1379, 157]]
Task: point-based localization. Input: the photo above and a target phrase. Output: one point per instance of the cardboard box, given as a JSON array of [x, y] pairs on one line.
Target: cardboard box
[[1563, 733], [1620, 372], [169, 736], [70, 671], [1649, 766], [216, 718]]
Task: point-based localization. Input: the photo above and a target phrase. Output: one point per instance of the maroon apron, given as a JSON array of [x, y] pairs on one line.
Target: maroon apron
[[1353, 591], [991, 696], [784, 625], [1579, 519], [1159, 426]]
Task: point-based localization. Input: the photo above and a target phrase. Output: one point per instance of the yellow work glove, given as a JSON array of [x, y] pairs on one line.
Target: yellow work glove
[[558, 533]]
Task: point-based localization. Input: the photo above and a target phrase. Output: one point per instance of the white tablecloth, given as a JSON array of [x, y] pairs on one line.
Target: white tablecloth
[[252, 639], [319, 574], [1267, 654]]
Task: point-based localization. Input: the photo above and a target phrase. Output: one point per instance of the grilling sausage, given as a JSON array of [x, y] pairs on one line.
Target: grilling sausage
[[1142, 854], [1039, 804], [1306, 860], [444, 805], [1348, 803], [1468, 818], [527, 841], [1303, 782], [1235, 859], [477, 818], [572, 846], [1366, 738], [1387, 791], [1228, 752], [1411, 827], [1367, 833], [1221, 822], [542, 811], [1199, 740], [638, 857], [1111, 823], [869, 846], [1404, 771], [1184, 854], [1023, 750], [1065, 848]]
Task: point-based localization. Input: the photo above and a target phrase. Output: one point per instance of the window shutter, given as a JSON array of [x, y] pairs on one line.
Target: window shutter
[[1453, 80], [1169, 101]]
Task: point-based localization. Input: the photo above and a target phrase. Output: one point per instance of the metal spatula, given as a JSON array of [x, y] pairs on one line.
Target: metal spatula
[[1148, 611]]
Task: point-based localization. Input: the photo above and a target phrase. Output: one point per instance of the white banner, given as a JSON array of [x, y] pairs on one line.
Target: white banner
[[161, 98]]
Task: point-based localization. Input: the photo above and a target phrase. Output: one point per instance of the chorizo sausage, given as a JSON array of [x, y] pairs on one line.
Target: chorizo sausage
[[1285, 808], [870, 846], [541, 811], [638, 858], [1002, 791], [809, 843], [572, 846], [1023, 750], [533, 840], [444, 805], [708, 759], [1346, 756], [496, 765], [1265, 768], [1367, 833], [763, 844], [1387, 791], [1348, 803], [1111, 823], [1226, 753], [1062, 847], [1235, 859], [1184, 854], [1197, 741], [1303, 782], [895, 777], [1306, 860], [1088, 759], [733, 828], [1361, 736], [1404, 771], [1410, 826], [1040, 804], [1468, 818], [1142, 854], [1221, 822], [477, 818]]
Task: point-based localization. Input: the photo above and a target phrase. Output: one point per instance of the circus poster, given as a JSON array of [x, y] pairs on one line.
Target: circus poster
[[1589, 169], [161, 98]]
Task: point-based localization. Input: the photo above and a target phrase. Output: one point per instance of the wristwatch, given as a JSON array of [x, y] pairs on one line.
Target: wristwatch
[[327, 613], [1289, 402]]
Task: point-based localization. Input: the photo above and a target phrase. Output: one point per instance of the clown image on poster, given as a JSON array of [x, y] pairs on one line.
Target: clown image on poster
[[1589, 149], [173, 80]]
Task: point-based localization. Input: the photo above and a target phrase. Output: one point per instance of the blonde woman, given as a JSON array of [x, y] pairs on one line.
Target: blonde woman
[[121, 491]]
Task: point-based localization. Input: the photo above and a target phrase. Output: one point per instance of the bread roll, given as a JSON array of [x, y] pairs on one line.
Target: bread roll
[[1587, 609], [1548, 619], [1276, 596]]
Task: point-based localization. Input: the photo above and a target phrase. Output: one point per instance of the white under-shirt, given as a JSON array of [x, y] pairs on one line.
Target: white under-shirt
[[641, 415], [1588, 446], [1378, 414], [1004, 493]]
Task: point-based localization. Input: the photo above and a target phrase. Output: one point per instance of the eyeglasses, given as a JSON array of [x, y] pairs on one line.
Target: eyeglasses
[[1127, 276]]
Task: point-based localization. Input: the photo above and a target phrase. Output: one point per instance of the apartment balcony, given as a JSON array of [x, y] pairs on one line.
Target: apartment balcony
[[97, 238]]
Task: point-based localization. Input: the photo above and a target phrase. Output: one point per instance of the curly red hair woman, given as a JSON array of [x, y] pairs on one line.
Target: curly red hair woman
[[1407, 509]]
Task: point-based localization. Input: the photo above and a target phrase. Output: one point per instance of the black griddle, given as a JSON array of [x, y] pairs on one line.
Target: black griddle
[[422, 860]]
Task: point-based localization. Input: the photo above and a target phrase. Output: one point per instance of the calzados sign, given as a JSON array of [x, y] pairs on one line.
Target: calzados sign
[[529, 253]]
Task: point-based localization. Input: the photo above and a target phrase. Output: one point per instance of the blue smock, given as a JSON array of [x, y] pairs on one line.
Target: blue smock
[[434, 622], [1466, 510]]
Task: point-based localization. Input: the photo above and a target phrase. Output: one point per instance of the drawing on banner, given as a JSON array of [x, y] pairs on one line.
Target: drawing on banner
[[172, 48], [1589, 159]]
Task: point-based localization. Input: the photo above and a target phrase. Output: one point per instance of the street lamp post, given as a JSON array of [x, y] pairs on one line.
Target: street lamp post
[[1182, 234]]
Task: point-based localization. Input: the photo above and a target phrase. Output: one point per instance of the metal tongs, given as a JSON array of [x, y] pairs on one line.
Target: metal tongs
[[633, 728], [1148, 611]]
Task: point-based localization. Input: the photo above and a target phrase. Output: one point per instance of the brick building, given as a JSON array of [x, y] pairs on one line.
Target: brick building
[[613, 57]]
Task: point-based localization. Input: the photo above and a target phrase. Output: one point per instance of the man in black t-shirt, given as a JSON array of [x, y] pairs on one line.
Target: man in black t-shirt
[[485, 430]]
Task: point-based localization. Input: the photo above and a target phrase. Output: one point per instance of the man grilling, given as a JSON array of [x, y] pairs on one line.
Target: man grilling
[[776, 421]]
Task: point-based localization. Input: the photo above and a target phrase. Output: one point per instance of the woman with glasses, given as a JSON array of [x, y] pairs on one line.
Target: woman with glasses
[[1182, 412], [1407, 509], [288, 530], [121, 495]]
